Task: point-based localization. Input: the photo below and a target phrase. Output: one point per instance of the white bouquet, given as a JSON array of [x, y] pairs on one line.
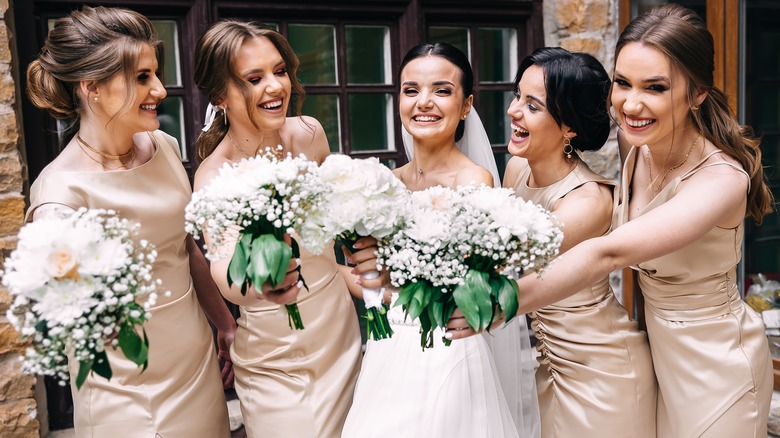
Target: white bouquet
[[257, 201], [464, 248], [80, 283], [363, 199]]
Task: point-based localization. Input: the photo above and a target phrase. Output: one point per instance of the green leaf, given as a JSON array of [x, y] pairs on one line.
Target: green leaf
[[237, 269], [269, 258], [420, 300], [85, 366], [507, 298], [101, 366], [473, 299], [131, 344]]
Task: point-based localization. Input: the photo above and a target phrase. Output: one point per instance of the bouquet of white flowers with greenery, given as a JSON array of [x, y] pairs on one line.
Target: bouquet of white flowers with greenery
[[256, 202], [363, 199], [464, 248], [80, 283]]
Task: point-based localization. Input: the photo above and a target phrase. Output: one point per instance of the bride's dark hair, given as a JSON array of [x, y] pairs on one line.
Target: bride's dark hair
[[451, 54]]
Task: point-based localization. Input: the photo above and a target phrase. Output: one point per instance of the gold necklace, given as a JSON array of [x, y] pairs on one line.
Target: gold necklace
[[658, 187], [104, 165], [277, 152], [103, 154]]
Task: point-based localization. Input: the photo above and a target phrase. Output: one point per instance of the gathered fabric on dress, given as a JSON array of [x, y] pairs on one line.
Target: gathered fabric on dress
[[443, 391], [595, 375], [180, 394], [299, 383], [709, 348]]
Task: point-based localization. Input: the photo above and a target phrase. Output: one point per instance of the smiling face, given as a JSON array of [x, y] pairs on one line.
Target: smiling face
[[535, 134], [649, 96], [431, 102], [263, 72], [140, 114]]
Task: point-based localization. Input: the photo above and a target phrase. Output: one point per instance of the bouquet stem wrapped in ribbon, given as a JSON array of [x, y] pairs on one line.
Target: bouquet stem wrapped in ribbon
[[259, 201], [81, 283], [363, 199], [464, 248]]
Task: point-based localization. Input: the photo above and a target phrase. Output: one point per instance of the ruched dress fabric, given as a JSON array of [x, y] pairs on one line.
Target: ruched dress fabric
[[447, 392], [595, 375], [299, 383], [180, 394], [710, 353]]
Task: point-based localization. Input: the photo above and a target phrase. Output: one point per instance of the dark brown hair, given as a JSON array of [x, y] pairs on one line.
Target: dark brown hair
[[89, 44], [215, 65], [682, 36]]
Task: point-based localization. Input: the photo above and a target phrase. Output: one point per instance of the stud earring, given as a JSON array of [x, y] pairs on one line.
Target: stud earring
[[95, 98]]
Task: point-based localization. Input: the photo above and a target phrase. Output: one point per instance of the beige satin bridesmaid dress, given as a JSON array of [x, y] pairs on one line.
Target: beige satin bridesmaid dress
[[299, 383], [709, 349], [595, 377], [180, 394]]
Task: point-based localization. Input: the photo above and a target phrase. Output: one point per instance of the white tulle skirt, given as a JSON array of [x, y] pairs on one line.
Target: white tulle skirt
[[443, 391]]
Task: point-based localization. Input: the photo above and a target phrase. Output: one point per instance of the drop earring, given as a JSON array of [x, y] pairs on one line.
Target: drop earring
[[567, 147]]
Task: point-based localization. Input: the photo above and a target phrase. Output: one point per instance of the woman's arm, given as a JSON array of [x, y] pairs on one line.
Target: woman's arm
[[702, 203], [214, 307]]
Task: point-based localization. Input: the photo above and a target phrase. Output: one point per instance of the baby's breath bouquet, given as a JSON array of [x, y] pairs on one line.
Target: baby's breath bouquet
[[256, 202], [464, 248], [363, 199], [80, 283]]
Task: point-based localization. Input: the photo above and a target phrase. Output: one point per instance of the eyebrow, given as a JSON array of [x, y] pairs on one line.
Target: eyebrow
[[260, 70], [437, 83], [647, 80]]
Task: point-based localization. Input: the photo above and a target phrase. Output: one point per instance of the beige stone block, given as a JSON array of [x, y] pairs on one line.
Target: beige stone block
[[598, 14], [10, 341], [9, 132], [5, 300], [588, 45], [19, 419], [10, 173], [5, 52], [571, 15], [11, 214], [14, 385], [7, 85]]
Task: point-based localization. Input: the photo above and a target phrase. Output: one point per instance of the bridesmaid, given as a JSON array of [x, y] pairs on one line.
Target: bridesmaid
[[98, 67], [595, 377], [691, 177], [290, 383]]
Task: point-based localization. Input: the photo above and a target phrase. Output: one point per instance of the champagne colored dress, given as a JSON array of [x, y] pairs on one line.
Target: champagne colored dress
[[709, 349], [299, 383], [595, 377], [180, 394]]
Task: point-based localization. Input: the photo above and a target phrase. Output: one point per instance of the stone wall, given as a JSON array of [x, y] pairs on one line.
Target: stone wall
[[18, 409]]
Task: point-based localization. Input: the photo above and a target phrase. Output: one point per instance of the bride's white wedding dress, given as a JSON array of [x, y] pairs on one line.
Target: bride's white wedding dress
[[443, 391]]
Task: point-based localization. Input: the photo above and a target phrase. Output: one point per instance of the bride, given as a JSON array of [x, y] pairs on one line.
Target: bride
[[479, 387]]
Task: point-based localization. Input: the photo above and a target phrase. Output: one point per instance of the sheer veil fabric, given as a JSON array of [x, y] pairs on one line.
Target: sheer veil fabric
[[510, 344]]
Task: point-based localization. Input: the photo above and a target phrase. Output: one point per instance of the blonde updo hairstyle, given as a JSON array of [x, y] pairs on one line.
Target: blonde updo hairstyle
[[91, 44]]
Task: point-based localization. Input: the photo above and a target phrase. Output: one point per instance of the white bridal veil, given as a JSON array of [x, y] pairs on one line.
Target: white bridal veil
[[510, 344]]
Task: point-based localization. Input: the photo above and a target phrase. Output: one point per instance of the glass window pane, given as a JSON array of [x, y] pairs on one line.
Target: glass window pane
[[492, 111], [390, 163], [368, 55], [457, 36], [370, 122], [768, 98], [325, 108], [167, 31], [496, 60], [315, 45], [170, 113]]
